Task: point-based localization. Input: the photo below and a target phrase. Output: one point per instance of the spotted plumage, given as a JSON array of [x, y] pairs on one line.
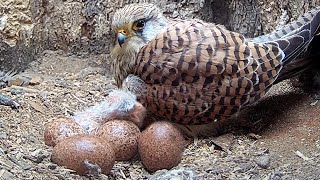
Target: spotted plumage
[[197, 72]]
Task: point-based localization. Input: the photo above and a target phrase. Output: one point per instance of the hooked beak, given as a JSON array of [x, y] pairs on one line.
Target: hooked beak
[[121, 38]]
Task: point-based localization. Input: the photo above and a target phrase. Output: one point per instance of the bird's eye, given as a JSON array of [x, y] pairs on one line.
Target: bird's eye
[[138, 25]]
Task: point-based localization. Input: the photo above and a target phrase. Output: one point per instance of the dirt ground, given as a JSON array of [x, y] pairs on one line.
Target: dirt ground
[[279, 138]]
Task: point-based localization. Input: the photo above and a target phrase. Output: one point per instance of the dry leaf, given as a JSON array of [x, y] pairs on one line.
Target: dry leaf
[[37, 106]]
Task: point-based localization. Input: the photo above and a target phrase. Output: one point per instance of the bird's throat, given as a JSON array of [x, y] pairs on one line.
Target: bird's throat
[[123, 63]]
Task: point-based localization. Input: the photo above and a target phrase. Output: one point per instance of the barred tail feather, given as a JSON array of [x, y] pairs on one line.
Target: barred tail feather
[[312, 17], [299, 41]]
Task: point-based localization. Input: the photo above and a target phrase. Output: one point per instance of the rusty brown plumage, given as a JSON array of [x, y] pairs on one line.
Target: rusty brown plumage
[[197, 72]]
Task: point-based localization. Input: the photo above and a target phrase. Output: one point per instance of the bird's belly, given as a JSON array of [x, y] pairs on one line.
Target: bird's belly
[[186, 107]]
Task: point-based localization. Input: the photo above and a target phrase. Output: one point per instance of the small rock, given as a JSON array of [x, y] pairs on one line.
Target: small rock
[[223, 142], [175, 14], [36, 80], [3, 135], [6, 175], [244, 167], [3, 84], [37, 156], [17, 91], [103, 177], [262, 152], [52, 166], [263, 161], [276, 175], [37, 107], [25, 165], [176, 174], [15, 82], [19, 80], [62, 84], [6, 162], [254, 136], [7, 101], [3, 22], [1, 152]]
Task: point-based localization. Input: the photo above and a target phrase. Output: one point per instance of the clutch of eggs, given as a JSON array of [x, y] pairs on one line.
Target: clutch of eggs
[[88, 151]]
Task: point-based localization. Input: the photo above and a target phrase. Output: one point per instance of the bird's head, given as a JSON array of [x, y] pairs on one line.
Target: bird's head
[[136, 24]]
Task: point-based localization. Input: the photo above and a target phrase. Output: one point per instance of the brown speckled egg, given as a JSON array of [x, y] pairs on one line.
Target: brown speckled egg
[[161, 146], [60, 129], [123, 136], [86, 154]]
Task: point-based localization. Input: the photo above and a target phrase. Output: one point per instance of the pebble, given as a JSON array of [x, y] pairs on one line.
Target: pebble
[[6, 175], [223, 142], [1, 151], [17, 91], [3, 84], [244, 167], [276, 175], [36, 80], [52, 166], [3, 135], [25, 165], [38, 155], [62, 84], [263, 161], [175, 174], [15, 82]]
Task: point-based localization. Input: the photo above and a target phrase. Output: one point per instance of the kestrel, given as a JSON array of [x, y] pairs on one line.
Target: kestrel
[[197, 72]]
